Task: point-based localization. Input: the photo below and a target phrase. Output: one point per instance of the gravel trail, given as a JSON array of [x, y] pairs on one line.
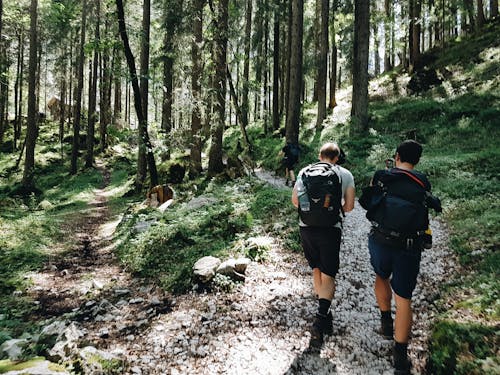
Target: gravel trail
[[262, 327]]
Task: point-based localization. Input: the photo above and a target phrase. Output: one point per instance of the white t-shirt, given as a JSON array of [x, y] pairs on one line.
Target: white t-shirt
[[347, 181]]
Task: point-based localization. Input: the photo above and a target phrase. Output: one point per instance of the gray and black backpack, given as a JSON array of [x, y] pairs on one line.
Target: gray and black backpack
[[320, 198]]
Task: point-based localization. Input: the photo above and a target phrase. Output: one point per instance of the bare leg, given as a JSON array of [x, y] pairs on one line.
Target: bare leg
[[403, 320], [383, 293]]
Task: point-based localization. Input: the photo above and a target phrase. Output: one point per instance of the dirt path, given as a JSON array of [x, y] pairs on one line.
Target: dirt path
[[262, 327]]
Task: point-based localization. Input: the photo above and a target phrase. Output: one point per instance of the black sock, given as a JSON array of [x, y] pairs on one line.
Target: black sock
[[400, 349], [324, 306], [386, 315]]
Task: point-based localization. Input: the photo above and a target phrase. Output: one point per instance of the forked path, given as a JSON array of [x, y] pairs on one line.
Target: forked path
[[262, 326]]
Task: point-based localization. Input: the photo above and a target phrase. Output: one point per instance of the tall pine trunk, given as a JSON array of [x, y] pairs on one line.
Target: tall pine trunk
[[79, 90], [196, 74], [359, 111], [137, 96], [493, 8], [387, 36], [215, 164], [276, 65], [480, 14], [32, 129], [295, 85], [246, 65], [322, 63], [92, 116], [333, 69]]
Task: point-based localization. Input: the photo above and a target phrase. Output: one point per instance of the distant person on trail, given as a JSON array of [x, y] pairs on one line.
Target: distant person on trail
[[397, 204], [324, 191], [291, 152]]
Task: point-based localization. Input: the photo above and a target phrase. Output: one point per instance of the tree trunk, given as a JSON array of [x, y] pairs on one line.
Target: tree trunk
[[265, 67], [333, 71], [480, 14], [493, 8], [105, 105], [414, 33], [32, 128], [117, 106], [196, 75], [387, 36], [258, 59], [317, 35], [288, 58], [19, 110], [143, 125], [144, 86], [232, 92], [376, 45], [294, 104], [215, 164], [276, 65], [322, 63], [17, 84], [89, 159], [79, 90], [359, 111], [246, 65]]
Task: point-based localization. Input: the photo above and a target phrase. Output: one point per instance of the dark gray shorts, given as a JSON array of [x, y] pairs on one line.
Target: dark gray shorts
[[321, 248]]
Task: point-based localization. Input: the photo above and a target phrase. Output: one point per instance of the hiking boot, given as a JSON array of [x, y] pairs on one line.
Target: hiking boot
[[323, 323], [402, 364], [386, 328]]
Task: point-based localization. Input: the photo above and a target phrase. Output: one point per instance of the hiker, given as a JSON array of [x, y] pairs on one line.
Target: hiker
[[395, 204], [160, 195], [322, 193], [291, 153]]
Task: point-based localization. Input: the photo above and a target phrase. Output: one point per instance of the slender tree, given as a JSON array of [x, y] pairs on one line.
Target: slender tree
[[92, 116], [215, 164], [246, 63], [32, 129], [143, 126], [196, 73], [359, 111], [493, 8], [79, 90], [387, 36], [294, 104], [333, 66], [322, 63], [276, 65], [480, 14]]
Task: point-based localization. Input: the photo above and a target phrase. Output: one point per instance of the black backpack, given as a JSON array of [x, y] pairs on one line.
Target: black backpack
[[396, 204], [320, 199]]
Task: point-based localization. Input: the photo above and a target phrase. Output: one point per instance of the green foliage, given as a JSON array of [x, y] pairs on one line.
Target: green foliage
[[463, 348]]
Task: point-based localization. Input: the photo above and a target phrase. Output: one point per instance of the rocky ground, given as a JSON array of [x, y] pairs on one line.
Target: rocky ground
[[261, 327]]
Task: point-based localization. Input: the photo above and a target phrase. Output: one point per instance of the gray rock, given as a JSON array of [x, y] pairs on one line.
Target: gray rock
[[13, 349], [204, 269], [241, 264]]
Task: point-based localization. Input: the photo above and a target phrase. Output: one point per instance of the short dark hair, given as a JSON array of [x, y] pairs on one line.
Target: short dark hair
[[409, 151], [329, 150]]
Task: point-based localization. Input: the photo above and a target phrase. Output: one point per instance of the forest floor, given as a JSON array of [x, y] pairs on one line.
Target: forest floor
[[260, 327]]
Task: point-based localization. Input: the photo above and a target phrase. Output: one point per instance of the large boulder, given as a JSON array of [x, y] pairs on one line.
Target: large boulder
[[204, 269]]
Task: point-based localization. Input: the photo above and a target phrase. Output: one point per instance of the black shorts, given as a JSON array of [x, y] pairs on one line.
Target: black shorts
[[290, 161], [321, 248]]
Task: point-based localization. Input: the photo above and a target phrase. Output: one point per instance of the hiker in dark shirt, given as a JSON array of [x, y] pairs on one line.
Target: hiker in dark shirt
[[291, 153], [396, 242]]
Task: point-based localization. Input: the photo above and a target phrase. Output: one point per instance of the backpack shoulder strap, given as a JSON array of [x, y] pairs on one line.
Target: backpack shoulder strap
[[410, 175]]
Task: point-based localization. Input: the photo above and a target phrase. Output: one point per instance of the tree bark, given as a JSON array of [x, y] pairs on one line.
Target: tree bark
[[415, 7], [387, 36], [246, 64], [294, 104], [480, 15], [144, 86], [232, 91], [215, 164], [322, 63], [89, 159], [493, 8], [197, 69], [333, 68], [276, 65], [79, 90], [117, 105], [32, 128], [105, 104], [359, 111], [137, 97]]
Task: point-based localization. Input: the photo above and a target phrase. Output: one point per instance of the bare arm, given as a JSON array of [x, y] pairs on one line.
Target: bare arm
[[295, 198], [349, 195]]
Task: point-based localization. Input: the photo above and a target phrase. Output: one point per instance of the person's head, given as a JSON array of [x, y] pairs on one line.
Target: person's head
[[329, 152], [409, 152]]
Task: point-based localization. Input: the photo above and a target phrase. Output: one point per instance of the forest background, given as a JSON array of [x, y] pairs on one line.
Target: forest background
[[216, 88]]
